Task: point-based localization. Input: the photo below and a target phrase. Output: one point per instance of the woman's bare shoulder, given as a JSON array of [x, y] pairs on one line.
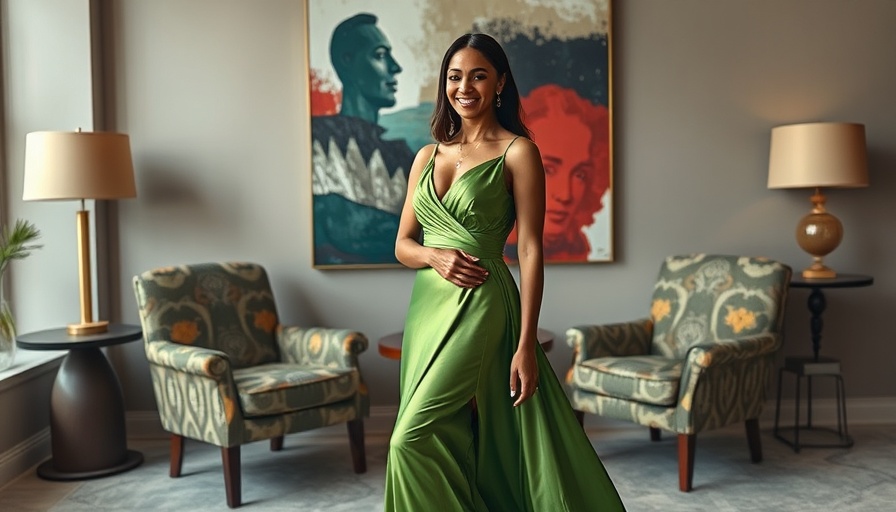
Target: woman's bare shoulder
[[424, 154], [426, 151], [522, 150]]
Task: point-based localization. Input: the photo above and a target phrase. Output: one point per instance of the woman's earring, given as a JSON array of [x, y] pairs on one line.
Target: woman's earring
[[451, 127], [498, 103]]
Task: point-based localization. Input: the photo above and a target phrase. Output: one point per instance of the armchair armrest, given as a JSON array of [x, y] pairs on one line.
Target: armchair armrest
[[707, 398], [321, 346], [200, 361], [201, 371], [726, 351], [610, 340]]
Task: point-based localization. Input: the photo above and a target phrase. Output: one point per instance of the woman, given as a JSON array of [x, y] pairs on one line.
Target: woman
[[469, 333]]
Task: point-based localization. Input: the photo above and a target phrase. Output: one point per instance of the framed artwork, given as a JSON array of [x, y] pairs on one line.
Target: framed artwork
[[373, 71]]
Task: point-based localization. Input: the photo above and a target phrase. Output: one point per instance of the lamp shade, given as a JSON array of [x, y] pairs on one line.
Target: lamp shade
[[818, 155], [78, 165]]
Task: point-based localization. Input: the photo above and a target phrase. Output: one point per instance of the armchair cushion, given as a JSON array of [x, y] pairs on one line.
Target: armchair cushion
[[647, 379], [279, 388]]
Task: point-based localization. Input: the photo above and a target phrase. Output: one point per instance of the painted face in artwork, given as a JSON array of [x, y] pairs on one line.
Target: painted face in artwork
[[372, 68], [564, 142]]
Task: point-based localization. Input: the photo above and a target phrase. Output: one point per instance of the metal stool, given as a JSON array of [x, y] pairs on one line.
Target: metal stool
[[813, 367]]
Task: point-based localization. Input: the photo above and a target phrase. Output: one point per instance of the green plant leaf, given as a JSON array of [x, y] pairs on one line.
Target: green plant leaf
[[17, 244]]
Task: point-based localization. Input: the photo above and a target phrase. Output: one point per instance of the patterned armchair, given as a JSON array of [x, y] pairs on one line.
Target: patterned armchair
[[226, 372], [702, 360]]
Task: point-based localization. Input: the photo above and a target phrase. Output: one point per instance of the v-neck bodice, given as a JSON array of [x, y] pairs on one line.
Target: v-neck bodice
[[475, 214], [465, 173]]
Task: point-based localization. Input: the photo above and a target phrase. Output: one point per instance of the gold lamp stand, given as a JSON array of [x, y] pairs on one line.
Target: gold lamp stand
[[87, 325], [819, 233], [79, 166]]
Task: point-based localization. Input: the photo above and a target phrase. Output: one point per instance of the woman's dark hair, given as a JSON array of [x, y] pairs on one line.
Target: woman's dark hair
[[510, 114]]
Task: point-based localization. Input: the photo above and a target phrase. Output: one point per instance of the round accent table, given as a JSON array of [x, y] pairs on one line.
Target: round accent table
[[87, 427], [389, 345]]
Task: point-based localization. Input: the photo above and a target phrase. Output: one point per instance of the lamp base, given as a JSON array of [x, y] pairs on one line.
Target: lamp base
[[819, 271], [84, 329], [819, 233]]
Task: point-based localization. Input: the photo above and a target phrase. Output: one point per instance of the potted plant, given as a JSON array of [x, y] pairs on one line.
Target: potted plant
[[15, 244]]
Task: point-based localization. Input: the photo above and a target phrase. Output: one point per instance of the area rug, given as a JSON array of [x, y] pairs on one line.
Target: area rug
[[313, 473]]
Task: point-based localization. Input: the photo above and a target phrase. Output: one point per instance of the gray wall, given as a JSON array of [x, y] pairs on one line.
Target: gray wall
[[213, 94]]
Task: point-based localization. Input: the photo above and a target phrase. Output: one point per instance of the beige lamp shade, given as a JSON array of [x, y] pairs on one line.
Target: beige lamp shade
[[78, 165], [818, 155]]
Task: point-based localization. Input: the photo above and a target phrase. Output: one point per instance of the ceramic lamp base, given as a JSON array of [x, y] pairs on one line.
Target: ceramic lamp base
[[819, 233]]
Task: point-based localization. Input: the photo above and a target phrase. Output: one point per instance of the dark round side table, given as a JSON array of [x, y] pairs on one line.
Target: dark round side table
[[816, 366], [87, 426], [817, 302]]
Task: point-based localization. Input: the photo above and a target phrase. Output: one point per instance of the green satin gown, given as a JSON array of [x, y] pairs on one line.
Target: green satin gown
[[458, 344]]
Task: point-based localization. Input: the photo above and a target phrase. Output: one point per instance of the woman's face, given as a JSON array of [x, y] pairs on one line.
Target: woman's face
[[564, 141], [471, 83]]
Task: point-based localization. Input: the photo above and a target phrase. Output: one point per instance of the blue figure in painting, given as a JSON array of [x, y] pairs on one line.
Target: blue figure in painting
[[360, 179]]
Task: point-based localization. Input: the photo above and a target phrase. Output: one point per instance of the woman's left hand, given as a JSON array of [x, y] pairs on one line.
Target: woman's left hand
[[523, 375]]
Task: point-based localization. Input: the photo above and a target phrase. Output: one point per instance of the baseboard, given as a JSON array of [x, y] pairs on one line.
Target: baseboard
[[860, 411], [144, 425], [24, 456]]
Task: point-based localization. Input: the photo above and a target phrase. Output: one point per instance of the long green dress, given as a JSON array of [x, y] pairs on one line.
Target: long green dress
[[458, 344]]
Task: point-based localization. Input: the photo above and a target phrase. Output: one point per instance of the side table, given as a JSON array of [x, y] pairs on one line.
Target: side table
[[817, 366], [87, 426], [389, 346]]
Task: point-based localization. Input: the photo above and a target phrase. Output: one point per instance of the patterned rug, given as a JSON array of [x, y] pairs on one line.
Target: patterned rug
[[313, 473]]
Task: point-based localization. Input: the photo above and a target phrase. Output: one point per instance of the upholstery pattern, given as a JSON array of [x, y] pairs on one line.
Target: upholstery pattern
[[225, 371], [648, 379], [701, 360]]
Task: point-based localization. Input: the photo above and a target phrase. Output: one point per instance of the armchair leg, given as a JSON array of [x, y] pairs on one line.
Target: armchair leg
[[231, 458], [686, 446], [580, 415], [753, 439], [177, 455], [356, 440], [276, 443], [654, 434]]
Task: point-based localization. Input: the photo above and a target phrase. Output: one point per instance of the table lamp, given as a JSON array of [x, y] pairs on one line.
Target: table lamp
[[79, 165], [818, 155]]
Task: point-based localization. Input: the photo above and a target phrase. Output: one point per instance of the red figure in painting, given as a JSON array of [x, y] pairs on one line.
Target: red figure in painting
[[573, 136]]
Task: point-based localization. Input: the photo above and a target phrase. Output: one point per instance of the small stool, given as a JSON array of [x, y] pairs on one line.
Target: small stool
[[813, 367]]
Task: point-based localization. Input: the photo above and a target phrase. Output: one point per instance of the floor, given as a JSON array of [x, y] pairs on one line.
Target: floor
[[314, 474]]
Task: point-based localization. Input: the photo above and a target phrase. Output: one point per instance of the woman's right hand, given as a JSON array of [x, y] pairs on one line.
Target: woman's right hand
[[458, 267]]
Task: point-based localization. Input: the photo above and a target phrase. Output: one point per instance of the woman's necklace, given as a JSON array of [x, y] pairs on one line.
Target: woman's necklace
[[463, 155]]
